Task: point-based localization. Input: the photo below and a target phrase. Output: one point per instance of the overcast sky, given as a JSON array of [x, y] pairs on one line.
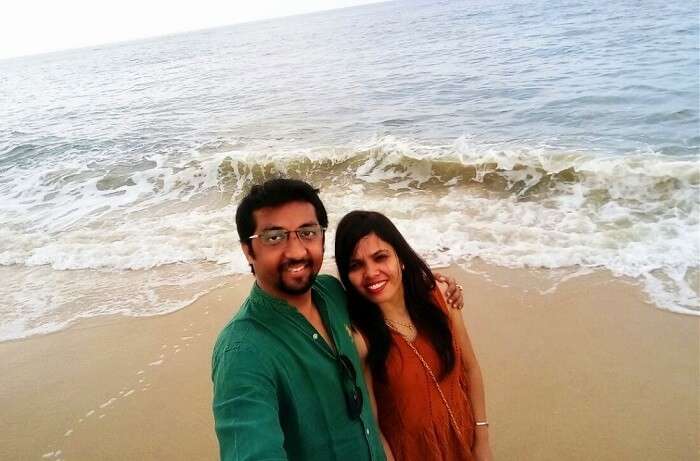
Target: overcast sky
[[39, 26]]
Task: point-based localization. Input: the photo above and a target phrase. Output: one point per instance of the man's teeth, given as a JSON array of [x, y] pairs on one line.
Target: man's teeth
[[296, 268]]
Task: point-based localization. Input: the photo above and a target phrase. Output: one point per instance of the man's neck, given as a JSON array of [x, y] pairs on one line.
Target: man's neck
[[302, 302]]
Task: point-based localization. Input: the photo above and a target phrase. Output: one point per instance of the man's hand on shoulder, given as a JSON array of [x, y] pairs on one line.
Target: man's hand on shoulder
[[451, 290]]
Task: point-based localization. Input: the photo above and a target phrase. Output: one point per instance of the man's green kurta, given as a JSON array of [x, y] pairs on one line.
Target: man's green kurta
[[278, 390]]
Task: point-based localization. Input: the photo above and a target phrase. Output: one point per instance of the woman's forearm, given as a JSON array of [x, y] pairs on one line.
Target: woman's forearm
[[477, 398]]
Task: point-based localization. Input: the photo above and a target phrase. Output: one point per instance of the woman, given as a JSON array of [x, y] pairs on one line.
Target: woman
[[417, 353]]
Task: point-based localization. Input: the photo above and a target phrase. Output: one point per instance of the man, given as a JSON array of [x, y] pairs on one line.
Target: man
[[285, 370]]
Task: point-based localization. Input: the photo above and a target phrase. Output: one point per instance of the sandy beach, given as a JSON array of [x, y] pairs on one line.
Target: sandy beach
[[585, 371]]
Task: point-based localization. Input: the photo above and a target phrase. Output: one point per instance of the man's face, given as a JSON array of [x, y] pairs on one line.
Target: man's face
[[287, 269]]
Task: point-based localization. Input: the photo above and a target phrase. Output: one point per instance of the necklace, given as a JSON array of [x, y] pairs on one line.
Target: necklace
[[439, 389], [394, 323], [408, 334]]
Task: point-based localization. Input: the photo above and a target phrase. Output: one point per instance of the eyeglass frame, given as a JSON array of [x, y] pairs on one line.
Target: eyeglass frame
[[286, 233], [353, 396]]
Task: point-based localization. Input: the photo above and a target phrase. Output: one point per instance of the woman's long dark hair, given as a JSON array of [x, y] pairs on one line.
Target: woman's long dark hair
[[418, 284]]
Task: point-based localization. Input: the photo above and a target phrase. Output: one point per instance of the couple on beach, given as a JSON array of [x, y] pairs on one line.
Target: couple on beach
[[308, 366]]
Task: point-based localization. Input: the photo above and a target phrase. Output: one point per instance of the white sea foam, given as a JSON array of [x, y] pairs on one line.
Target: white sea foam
[[81, 242], [42, 300]]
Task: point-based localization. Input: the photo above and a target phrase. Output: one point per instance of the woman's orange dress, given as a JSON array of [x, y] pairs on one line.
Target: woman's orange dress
[[411, 413]]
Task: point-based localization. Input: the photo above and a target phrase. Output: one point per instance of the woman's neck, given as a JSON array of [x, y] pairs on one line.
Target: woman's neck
[[394, 309]]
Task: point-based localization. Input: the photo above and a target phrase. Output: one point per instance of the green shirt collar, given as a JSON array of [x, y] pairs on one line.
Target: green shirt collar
[[268, 309], [261, 298]]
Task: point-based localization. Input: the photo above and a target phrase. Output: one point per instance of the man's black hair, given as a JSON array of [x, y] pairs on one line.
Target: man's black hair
[[272, 193]]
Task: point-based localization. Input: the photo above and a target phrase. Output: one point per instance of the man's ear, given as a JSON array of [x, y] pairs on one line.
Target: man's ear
[[248, 252], [249, 255]]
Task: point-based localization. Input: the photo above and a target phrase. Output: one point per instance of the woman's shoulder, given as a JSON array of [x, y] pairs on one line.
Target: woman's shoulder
[[440, 296]]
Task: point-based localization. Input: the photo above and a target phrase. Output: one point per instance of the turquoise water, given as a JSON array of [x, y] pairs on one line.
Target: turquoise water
[[562, 135]]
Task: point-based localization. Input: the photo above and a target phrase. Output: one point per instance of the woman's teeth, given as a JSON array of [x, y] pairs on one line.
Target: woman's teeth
[[376, 286]]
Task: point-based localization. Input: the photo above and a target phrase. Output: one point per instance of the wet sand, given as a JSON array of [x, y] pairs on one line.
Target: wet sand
[[585, 371]]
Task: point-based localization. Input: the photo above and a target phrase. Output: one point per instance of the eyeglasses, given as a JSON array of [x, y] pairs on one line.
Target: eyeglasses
[[273, 237], [352, 392]]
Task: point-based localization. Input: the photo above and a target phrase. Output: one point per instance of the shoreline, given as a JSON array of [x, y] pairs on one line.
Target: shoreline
[[542, 277], [588, 370]]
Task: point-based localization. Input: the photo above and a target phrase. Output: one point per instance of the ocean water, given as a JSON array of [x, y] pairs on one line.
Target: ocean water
[[560, 135]]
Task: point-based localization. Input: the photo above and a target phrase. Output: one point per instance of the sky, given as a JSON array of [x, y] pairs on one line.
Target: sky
[[41, 26]]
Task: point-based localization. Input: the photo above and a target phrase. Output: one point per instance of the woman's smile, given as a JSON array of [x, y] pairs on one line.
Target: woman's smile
[[375, 270], [376, 287]]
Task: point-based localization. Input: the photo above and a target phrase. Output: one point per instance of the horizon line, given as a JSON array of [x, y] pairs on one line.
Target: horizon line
[[188, 31]]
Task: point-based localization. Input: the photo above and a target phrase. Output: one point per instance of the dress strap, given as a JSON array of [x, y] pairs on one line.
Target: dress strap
[[437, 384]]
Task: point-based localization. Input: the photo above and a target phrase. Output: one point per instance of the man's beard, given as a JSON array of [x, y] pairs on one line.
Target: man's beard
[[299, 289]]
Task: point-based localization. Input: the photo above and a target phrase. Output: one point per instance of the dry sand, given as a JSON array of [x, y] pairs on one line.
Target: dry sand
[[588, 371]]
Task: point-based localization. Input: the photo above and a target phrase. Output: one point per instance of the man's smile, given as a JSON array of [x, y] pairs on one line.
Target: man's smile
[[295, 267]]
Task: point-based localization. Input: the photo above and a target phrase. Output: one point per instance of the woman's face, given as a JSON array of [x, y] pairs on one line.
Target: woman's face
[[375, 270]]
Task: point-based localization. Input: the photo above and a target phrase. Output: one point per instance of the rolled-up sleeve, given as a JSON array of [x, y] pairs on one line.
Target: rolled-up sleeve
[[246, 412]]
